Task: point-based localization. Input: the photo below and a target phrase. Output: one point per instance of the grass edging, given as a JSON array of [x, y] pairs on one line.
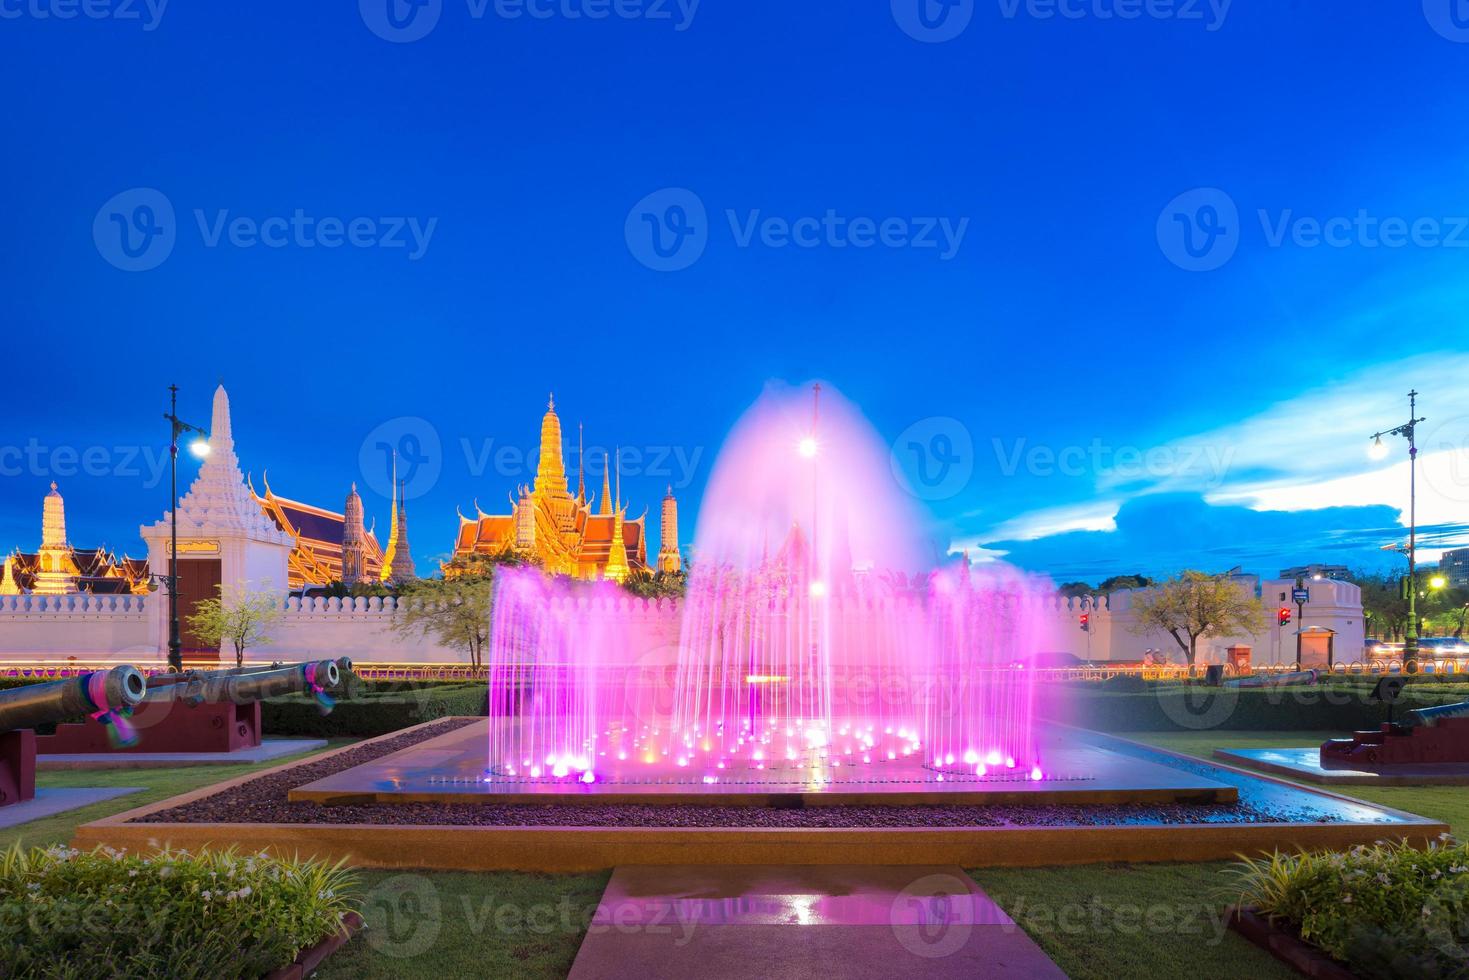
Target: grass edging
[[1285, 946], [309, 959]]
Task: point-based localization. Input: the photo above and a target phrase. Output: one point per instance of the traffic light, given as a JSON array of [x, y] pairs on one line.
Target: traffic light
[[1086, 622], [1284, 616]]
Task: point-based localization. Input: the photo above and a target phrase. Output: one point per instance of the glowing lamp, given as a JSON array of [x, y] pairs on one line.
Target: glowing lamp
[[1035, 774], [1378, 450], [199, 447], [818, 589], [807, 447], [1438, 582], [588, 777]]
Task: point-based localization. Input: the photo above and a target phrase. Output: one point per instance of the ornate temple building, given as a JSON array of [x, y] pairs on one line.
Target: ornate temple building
[[563, 532], [59, 569], [325, 546]]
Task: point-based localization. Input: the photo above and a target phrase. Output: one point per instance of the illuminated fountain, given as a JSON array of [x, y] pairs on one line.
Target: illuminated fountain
[[812, 648]]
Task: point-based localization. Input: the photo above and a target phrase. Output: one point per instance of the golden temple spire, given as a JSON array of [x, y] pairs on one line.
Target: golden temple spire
[[617, 569], [669, 559], [391, 550], [551, 469], [605, 507], [581, 469], [400, 569]]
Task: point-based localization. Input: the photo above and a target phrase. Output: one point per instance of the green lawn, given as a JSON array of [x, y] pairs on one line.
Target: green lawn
[[1160, 921], [158, 784], [462, 924], [1101, 921]]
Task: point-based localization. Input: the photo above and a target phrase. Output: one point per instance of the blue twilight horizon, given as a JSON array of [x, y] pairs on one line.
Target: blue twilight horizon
[[1125, 286]]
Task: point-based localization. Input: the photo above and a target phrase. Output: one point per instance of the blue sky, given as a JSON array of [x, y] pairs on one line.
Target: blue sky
[[1086, 236]]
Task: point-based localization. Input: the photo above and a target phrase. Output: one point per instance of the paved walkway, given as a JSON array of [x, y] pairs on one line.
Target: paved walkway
[[268, 750], [805, 921], [49, 802]]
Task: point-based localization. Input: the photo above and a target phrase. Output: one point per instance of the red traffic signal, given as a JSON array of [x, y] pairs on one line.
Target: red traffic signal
[[1284, 617], [1086, 621]]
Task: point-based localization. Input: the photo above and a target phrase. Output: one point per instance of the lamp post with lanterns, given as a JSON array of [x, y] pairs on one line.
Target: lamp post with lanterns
[[1379, 450]]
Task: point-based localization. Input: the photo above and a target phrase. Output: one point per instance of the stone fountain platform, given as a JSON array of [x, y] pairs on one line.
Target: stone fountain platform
[[451, 769], [1305, 763], [253, 812]]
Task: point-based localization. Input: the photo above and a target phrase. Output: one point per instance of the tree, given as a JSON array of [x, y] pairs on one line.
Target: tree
[[1119, 582], [1192, 605], [456, 608], [243, 618], [1075, 590], [662, 585]]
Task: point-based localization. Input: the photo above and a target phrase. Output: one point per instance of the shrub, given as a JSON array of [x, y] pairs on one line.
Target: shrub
[[73, 914], [373, 709], [1389, 910]]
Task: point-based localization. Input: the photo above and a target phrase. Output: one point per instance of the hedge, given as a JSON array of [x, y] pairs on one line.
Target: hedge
[[371, 709], [1194, 707]]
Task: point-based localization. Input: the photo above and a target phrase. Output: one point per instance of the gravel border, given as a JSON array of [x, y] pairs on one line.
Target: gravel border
[[264, 800]]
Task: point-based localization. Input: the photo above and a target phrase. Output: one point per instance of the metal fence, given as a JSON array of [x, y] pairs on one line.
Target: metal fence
[[1446, 667]]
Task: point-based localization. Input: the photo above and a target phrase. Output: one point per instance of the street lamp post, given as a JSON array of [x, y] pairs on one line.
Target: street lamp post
[[200, 447], [1408, 431]]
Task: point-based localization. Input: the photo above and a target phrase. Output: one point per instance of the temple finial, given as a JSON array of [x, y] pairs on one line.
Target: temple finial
[[605, 507]]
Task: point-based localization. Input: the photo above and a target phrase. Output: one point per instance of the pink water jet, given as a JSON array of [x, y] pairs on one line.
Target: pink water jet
[[813, 647]]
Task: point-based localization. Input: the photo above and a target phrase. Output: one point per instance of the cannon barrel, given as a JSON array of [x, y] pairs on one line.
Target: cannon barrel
[[87, 694], [1428, 717], [245, 687], [1274, 680]]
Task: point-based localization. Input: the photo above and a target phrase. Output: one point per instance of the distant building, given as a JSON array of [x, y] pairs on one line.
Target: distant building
[[561, 530], [1454, 565], [1316, 571], [325, 546], [57, 568]]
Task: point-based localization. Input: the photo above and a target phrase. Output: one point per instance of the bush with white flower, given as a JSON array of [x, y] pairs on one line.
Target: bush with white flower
[[1387, 911], [67, 914]]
